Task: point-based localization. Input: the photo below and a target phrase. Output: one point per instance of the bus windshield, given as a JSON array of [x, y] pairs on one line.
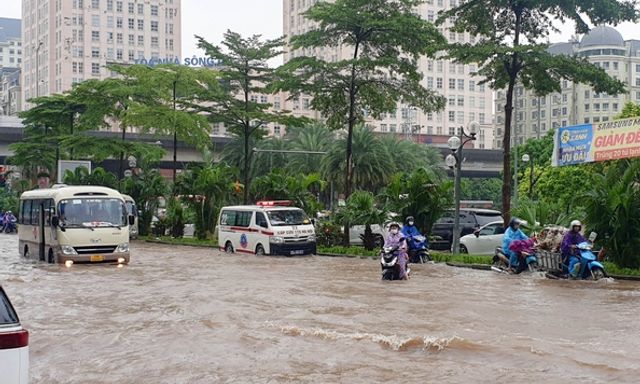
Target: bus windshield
[[92, 212], [287, 217]]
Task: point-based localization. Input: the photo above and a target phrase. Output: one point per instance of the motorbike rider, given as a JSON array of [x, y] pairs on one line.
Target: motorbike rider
[[396, 238], [8, 221], [410, 232], [569, 248], [513, 233]]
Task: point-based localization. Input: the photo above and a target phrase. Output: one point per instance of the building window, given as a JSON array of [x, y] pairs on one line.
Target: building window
[[472, 85], [452, 116], [452, 101], [154, 41], [119, 6], [460, 117], [452, 131], [481, 117], [586, 94], [430, 82], [95, 68], [615, 107], [461, 84], [131, 8], [586, 107], [605, 106], [140, 9], [615, 65], [119, 54], [392, 128], [132, 39], [119, 38], [460, 101], [132, 55], [95, 21], [439, 83], [154, 26], [440, 66], [95, 4], [119, 22], [95, 53], [95, 36], [452, 83], [154, 10], [132, 24], [430, 65], [109, 5], [141, 41], [140, 25], [383, 127]]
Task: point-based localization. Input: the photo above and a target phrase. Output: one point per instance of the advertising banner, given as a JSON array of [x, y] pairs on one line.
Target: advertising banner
[[609, 140]]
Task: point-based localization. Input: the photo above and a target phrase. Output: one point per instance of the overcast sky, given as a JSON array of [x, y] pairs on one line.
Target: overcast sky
[[211, 18]]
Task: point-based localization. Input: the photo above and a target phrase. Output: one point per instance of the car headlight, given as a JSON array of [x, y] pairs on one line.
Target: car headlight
[[276, 240], [68, 250], [124, 247], [311, 238]]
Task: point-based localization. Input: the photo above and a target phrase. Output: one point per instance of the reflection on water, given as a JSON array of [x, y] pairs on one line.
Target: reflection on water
[[193, 315]]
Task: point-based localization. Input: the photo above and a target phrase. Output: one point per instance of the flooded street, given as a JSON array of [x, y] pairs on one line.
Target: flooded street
[[194, 315]]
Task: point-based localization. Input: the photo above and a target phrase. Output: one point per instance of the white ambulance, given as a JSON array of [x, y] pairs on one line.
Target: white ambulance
[[267, 228]]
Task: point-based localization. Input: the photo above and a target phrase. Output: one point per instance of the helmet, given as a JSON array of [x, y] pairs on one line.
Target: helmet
[[576, 223], [394, 224], [408, 219], [514, 221]]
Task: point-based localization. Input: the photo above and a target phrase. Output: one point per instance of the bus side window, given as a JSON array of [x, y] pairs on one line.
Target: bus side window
[[47, 205], [261, 221], [35, 211], [21, 214]]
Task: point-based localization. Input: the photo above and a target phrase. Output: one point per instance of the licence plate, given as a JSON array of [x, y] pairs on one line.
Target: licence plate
[[299, 252], [97, 258]]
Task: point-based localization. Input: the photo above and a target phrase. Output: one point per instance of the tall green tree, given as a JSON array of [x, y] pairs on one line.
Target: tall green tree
[[383, 40], [301, 189], [245, 75], [361, 208], [509, 51]]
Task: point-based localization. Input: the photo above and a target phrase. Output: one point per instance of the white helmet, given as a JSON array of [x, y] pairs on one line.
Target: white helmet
[[576, 223]]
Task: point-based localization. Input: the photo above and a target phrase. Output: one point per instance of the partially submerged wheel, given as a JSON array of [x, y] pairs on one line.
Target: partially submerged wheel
[[50, 257], [598, 273], [260, 250], [228, 247]]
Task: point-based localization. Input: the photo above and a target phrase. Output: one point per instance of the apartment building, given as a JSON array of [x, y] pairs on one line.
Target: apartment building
[[576, 104], [467, 100], [10, 91], [10, 43], [68, 41]]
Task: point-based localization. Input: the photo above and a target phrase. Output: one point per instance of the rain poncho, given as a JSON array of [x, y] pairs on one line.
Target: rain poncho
[[569, 255], [409, 232], [398, 240], [510, 235]]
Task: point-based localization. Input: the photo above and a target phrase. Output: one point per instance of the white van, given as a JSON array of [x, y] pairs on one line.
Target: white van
[[267, 228], [132, 210]]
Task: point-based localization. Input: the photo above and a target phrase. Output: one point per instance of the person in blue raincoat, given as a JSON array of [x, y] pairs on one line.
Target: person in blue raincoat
[[410, 231], [512, 233], [569, 248]]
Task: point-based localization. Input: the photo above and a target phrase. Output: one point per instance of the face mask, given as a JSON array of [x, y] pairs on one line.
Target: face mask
[[394, 231], [411, 223]]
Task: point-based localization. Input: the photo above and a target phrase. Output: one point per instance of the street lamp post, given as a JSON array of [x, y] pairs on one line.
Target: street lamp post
[[529, 159], [454, 160], [175, 134]]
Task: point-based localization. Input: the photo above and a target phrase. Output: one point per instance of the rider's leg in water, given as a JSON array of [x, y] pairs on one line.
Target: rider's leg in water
[[574, 266]]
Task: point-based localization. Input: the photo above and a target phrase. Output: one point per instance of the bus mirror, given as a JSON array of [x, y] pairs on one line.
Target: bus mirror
[[132, 219], [55, 221]]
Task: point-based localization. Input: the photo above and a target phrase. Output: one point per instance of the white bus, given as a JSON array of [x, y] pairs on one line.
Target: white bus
[[71, 224], [267, 228], [132, 210]]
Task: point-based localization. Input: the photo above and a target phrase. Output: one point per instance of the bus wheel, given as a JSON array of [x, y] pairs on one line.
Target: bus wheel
[[50, 258], [228, 247], [260, 250]]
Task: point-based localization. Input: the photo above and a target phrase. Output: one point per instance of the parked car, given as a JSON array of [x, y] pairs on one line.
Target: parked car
[[357, 232], [14, 345], [483, 241], [471, 219]]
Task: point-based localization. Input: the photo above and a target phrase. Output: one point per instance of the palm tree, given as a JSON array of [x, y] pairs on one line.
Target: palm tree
[[361, 209], [301, 189], [408, 156], [81, 176], [613, 211], [372, 163], [315, 137], [146, 188], [421, 194]]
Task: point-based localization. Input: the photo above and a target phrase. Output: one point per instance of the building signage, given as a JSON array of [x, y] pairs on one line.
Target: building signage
[[587, 143], [188, 61]]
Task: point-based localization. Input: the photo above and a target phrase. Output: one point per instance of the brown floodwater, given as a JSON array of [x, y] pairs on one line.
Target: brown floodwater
[[194, 315]]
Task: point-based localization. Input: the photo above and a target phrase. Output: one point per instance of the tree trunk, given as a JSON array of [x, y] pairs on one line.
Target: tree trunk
[[351, 123], [513, 68], [247, 156], [121, 166]]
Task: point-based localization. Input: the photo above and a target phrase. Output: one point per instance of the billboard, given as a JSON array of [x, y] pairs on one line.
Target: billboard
[[71, 165], [587, 143]]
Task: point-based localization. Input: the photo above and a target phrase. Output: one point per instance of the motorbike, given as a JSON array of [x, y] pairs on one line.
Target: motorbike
[[501, 264], [420, 253], [590, 267], [10, 226], [389, 263]]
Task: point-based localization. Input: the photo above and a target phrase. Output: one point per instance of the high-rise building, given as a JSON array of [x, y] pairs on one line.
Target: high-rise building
[[467, 100], [10, 43], [577, 103], [68, 41]]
